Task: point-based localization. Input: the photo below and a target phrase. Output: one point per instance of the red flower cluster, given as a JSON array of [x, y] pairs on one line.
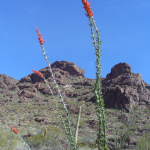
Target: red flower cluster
[[15, 130], [37, 72], [41, 41], [87, 8]]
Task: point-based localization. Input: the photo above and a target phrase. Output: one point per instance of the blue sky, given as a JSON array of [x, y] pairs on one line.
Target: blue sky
[[124, 27]]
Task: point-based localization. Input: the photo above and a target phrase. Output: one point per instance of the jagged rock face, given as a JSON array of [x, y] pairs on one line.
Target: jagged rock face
[[122, 87], [121, 74], [70, 67], [61, 69], [119, 69]]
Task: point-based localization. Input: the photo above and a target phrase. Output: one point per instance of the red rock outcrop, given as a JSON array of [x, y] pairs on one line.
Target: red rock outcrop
[[121, 87]]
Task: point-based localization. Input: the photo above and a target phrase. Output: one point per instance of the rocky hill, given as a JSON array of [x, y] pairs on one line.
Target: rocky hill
[[29, 100]]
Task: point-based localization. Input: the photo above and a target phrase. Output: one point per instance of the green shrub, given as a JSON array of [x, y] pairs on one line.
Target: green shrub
[[143, 143], [8, 140], [81, 124], [52, 140], [54, 135], [35, 141]]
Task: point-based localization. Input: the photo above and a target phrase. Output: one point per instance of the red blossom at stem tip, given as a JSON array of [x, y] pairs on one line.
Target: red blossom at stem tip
[[14, 130], [41, 41], [37, 72], [87, 8]]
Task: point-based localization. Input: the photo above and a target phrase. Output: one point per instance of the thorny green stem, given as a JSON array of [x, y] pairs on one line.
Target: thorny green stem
[[68, 129], [101, 136]]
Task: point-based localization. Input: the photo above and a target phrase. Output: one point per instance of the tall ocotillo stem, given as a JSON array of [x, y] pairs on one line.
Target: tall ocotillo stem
[[101, 136], [97, 86], [67, 129]]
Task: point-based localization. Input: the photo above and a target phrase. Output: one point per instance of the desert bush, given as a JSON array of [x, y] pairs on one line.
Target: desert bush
[[35, 141], [143, 143], [8, 140]]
